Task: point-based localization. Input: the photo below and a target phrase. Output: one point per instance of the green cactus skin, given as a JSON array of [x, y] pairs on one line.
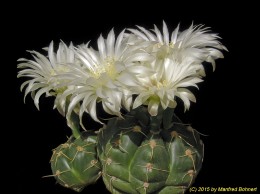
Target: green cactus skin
[[75, 164], [143, 154]]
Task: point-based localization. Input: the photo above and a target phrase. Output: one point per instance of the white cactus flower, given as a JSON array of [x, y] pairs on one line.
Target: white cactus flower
[[195, 44], [45, 72], [102, 74], [169, 81]]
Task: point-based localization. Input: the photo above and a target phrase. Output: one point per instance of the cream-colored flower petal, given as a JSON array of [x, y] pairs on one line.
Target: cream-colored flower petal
[[141, 99], [165, 34], [110, 42], [175, 34], [153, 107]]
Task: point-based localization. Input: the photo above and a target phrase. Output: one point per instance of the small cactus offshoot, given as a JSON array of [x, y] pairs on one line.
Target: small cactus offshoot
[[75, 163]]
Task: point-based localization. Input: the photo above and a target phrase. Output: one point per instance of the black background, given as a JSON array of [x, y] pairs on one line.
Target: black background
[[227, 107]]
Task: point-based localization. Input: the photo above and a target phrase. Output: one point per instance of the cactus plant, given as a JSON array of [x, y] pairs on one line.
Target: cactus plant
[[142, 154], [75, 163], [136, 77]]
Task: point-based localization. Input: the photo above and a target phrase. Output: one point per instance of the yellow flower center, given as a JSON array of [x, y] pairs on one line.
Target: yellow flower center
[[159, 84], [108, 67]]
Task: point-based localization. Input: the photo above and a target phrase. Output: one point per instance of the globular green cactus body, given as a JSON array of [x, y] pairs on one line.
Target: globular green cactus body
[[75, 163], [144, 154]]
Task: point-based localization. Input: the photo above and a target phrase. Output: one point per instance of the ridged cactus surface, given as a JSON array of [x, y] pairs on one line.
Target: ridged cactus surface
[[75, 163], [144, 154]]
